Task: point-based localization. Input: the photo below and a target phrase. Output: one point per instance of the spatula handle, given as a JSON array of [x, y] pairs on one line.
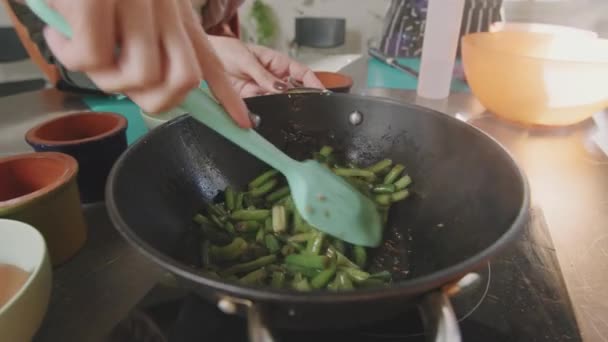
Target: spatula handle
[[200, 105]]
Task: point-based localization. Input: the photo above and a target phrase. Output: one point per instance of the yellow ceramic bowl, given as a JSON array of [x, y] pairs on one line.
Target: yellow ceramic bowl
[[537, 78], [21, 245]]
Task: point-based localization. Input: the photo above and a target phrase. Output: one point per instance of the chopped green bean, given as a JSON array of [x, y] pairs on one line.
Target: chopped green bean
[[302, 285], [339, 245], [278, 194], [249, 266], [279, 220], [399, 196], [307, 272], [355, 274], [382, 275], [371, 283], [326, 151], [383, 199], [254, 278], [238, 204], [384, 188], [299, 226], [200, 219], [246, 215], [302, 237], [278, 280], [315, 243], [344, 282], [247, 226], [341, 259], [393, 174], [230, 197], [268, 225], [380, 166], [216, 220], [360, 256], [229, 227], [261, 179], [229, 252], [259, 237], [323, 278], [354, 173], [403, 182], [271, 243], [263, 189], [305, 260]]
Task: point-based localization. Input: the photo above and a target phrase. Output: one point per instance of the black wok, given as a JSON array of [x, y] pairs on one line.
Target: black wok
[[470, 200]]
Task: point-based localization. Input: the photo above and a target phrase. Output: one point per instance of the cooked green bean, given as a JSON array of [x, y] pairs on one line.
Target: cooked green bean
[[278, 194], [354, 173], [323, 278], [384, 188], [360, 256], [355, 275], [344, 282], [400, 195], [200, 219], [278, 280], [305, 271], [229, 252], [279, 220], [302, 285], [403, 182], [261, 179], [249, 266], [263, 189], [271, 243], [393, 174], [247, 226], [230, 197], [315, 243], [238, 204], [229, 227], [380, 166], [302, 237], [258, 237], [254, 278], [310, 261], [246, 215]]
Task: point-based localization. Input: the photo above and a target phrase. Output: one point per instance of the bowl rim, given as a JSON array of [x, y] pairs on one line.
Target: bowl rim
[[470, 40], [70, 170], [36, 235], [31, 136]]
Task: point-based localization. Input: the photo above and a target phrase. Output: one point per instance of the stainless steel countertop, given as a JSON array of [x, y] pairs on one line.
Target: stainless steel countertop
[[567, 173], [568, 176]]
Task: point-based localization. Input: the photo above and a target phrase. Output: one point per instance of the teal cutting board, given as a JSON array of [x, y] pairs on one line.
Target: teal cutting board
[[381, 75]]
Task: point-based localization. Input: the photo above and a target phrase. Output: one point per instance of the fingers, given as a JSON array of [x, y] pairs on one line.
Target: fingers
[[91, 48], [139, 62], [180, 65], [214, 72], [283, 66]]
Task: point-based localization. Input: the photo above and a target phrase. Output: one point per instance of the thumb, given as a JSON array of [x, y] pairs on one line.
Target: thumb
[[265, 79]]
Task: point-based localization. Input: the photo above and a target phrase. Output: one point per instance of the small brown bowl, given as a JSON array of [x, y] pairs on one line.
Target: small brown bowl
[[336, 82], [40, 189], [94, 139]]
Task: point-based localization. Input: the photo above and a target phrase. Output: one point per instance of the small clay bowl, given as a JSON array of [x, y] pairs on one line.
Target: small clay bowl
[[336, 82], [40, 189], [94, 139]]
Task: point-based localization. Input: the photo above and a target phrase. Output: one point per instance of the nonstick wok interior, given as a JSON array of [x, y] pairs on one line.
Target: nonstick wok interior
[[467, 192]]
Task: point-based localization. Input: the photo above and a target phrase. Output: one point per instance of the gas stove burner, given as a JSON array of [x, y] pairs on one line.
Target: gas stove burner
[[408, 325]]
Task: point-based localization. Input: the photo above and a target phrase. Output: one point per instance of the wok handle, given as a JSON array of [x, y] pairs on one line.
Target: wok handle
[[439, 319], [257, 329]]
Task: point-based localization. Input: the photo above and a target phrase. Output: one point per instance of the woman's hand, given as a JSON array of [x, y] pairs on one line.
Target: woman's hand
[[256, 70], [164, 52]]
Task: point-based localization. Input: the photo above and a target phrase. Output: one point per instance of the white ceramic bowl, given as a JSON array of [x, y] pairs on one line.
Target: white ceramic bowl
[[22, 245]]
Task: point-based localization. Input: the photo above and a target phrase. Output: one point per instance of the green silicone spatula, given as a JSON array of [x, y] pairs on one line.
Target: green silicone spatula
[[324, 200]]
